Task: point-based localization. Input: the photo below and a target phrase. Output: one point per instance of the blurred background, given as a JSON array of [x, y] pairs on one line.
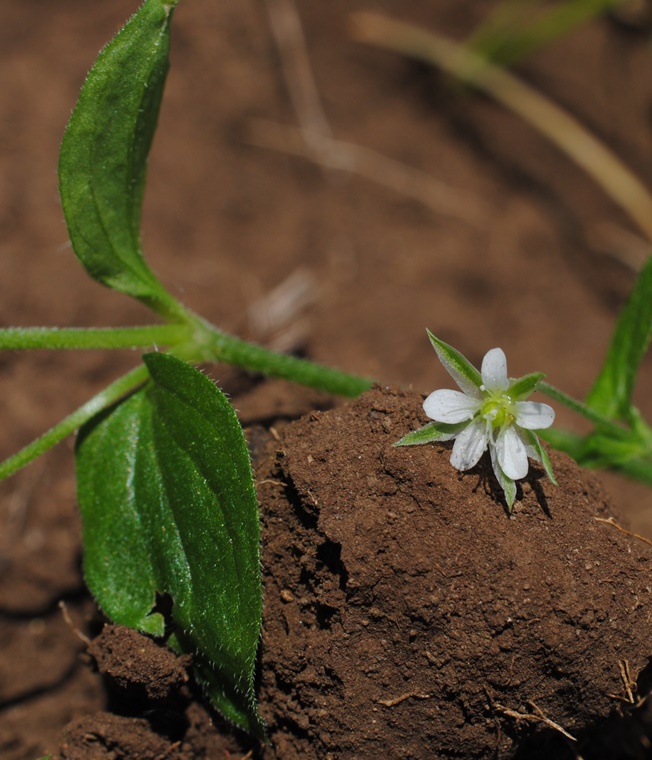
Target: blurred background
[[320, 196]]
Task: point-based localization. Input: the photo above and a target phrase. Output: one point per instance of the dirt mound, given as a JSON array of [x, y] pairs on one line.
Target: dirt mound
[[407, 616]]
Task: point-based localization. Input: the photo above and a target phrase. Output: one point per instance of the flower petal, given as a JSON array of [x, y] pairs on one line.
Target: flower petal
[[450, 406], [532, 415], [494, 370], [511, 453], [470, 445]]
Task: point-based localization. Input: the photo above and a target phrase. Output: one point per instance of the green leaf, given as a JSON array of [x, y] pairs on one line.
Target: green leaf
[[597, 449], [104, 153], [564, 440], [611, 394], [524, 386], [169, 507], [458, 366], [506, 483], [431, 433], [541, 454]]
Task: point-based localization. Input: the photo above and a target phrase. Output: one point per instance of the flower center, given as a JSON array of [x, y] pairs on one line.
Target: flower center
[[498, 410]]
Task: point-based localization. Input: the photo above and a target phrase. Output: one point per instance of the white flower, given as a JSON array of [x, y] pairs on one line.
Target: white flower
[[490, 412]]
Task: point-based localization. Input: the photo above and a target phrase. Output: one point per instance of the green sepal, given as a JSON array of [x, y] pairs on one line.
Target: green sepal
[[431, 433], [524, 386], [611, 394], [104, 152], [458, 367], [532, 439], [505, 482], [169, 507]]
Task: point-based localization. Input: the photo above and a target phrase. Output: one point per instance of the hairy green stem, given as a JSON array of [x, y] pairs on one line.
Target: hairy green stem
[[69, 424], [579, 407], [87, 338], [214, 345], [195, 341]]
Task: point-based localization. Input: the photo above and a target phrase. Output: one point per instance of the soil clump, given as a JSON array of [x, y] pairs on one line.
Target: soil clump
[[407, 616]]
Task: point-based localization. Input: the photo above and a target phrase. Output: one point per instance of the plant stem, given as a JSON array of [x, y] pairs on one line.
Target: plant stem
[[69, 424], [195, 341], [212, 344], [579, 407], [87, 338]]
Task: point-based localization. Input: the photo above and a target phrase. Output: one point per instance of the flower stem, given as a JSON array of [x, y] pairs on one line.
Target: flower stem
[[69, 424], [88, 338], [579, 407]]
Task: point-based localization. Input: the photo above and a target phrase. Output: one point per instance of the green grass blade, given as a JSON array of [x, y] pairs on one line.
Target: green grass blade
[[518, 29]]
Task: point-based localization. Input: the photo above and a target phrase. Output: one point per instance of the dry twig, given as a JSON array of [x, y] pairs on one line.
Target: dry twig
[[402, 698], [628, 682], [538, 716], [357, 159], [313, 138], [275, 319], [611, 521], [69, 622], [288, 33], [600, 163]]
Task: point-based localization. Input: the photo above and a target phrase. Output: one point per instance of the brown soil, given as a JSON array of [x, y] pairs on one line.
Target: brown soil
[[532, 258], [406, 615]]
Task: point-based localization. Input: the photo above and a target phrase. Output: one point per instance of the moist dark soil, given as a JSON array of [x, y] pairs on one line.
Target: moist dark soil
[[459, 631]]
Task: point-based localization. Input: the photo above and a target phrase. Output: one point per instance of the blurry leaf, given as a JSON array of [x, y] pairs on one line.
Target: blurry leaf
[[597, 449], [104, 153], [563, 440], [169, 507], [611, 394], [518, 28], [533, 440]]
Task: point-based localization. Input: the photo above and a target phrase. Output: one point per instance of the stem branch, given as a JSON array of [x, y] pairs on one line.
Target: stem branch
[[579, 407], [73, 421], [214, 345], [88, 338]]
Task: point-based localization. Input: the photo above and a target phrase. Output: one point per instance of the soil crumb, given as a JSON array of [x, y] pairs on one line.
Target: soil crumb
[[135, 664]]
